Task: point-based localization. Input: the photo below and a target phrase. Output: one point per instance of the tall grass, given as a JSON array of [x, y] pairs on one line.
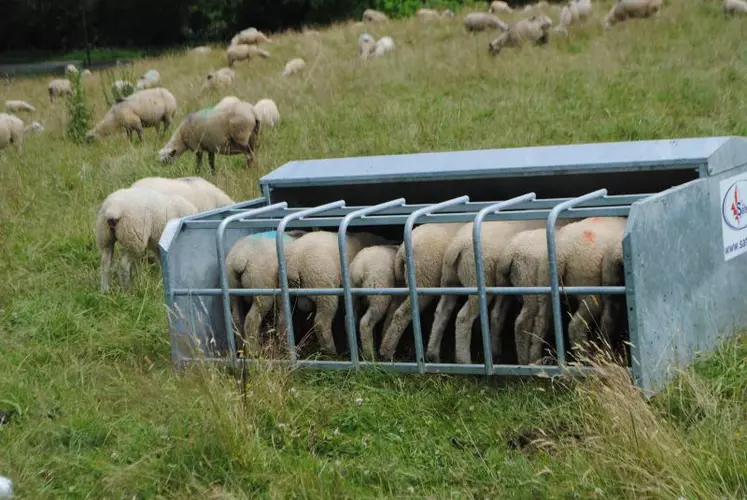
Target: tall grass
[[101, 413]]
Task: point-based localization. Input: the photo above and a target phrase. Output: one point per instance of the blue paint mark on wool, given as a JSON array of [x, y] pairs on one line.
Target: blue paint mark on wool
[[269, 235]]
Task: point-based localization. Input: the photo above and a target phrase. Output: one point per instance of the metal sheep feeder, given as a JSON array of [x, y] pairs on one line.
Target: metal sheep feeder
[[687, 221]]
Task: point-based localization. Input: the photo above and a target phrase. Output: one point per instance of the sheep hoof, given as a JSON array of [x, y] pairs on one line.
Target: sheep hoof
[[433, 357]]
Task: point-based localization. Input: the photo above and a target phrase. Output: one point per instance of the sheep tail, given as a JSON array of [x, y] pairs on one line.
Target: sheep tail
[[449, 266], [399, 266]]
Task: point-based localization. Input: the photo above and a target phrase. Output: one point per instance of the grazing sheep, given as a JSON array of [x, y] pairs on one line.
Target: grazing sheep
[[629, 9], [366, 45], [294, 66], [219, 79], [58, 87], [201, 50], [250, 36], [71, 69], [374, 16], [253, 263], [215, 131], [150, 79], [498, 7], [18, 106], [383, 45], [145, 108], [373, 267], [735, 7], [583, 8], [202, 194], [134, 217], [267, 112], [535, 29], [458, 269], [35, 127], [86, 73], [480, 21], [314, 262], [11, 131], [427, 14], [429, 245], [243, 52], [447, 13]]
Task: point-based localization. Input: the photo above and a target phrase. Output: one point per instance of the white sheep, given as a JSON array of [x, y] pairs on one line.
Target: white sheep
[[566, 19], [583, 8], [201, 50], [71, 69], [252, 262], [480, 21], [429, 245], [294, 66], [314, 262], [11, 131], [202, 194], [498, 7], [427, 14], [250, 36], [35, 127], [629, 9], [16, 106], [535, 29], [150, 79], [221, 78], [86, 73], [58, 87], [735, 7], [373, 267], [366, 45], [374, 16], [244, 52], [383, 45], [134, 217], [215, 131], [145, 108], [267, 112], [448, 13]]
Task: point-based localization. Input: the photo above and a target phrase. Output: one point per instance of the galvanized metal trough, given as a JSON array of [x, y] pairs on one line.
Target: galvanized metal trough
[[687, 223]]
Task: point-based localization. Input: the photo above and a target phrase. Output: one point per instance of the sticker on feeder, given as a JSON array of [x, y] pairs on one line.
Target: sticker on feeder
[[734, 215]]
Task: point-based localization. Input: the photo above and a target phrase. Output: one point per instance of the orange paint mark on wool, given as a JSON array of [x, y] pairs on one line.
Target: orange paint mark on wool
[[589, 236]]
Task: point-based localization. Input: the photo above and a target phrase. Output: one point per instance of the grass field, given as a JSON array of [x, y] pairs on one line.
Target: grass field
[[101, 414]]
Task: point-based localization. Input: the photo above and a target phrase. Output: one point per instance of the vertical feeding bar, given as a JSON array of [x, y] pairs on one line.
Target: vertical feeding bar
[[283, 267], [552, 218], [480, 271], [222, 267], [410, 261], [345, 269]]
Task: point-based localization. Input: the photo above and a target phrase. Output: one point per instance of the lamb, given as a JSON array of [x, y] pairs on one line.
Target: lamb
[[629, 9], [314, 262], [19, 106], [458, 269], [145, 108], [366, 45], [58, 87], [243, 52], [150, 79], [11, 131], [535, 29], [373, 267], [267, 112], [374, 16], [427, 14], [250, 36], [498, 7], [201, 50], [735, 7], [215, 131], [134, 217], [294, 66], [252, 262], [480, 21], [383, 45], [429, 245], [219, 79], [202, 194]]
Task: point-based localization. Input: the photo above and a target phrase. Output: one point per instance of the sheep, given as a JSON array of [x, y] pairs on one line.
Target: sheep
[[145, 108], [18, 106], [374, 16], [58, 87], [267, 112], [458, 269], [35, 127], [498, 7], [583, 8], [250, 36], [447, 13], [480, 21], [735, 7], [535, 29], [71, 69], [227, 102], [134, 217], [294, 66], [373, 267], [86, 73], [150, 79], [383, 45], [202, 194], [11, 131], [429, 245], [242, 52], [201, 50], [314, 262], [629, 9], [252, 263], [219, 79], [366, 45], [566, 19], [215, 131], [427, 14]]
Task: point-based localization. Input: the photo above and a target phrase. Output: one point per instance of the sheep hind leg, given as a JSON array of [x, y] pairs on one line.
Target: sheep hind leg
[[498, 314], [523, 328], [400, 321], [583, 320], [106, 262], [444, 310], [465, 319], [261, 306], [326, 307], [125, 269], [378, 306], [211, 160]]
